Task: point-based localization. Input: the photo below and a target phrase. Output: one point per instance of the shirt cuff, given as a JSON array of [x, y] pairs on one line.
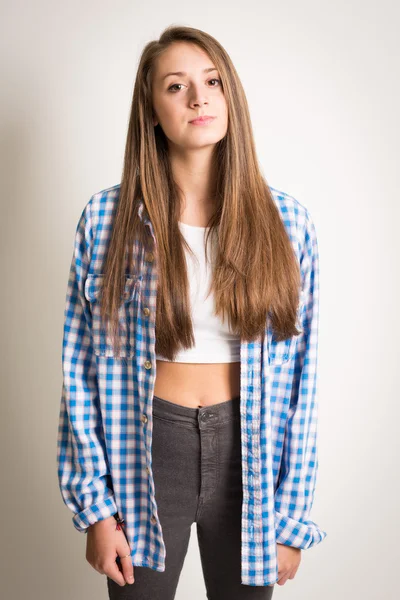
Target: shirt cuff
[[96, 512], [298, 534]]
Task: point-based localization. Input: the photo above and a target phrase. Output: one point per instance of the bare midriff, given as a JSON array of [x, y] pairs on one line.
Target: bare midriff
[[196, 385]]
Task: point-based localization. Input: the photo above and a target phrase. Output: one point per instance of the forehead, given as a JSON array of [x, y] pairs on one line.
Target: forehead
[[183, 57]]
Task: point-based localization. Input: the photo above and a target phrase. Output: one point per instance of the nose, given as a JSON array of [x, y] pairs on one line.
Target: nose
[[198, 98]]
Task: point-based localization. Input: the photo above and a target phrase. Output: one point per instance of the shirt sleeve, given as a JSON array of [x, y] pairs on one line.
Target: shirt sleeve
[[297, 478], [83, 470]]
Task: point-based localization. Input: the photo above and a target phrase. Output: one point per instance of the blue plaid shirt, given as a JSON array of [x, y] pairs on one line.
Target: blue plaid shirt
[[106, 424]]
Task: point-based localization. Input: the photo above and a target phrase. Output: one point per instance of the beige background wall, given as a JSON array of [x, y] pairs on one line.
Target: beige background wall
[[323, 88]]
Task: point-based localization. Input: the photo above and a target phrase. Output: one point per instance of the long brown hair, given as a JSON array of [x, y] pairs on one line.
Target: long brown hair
[[255, 269]]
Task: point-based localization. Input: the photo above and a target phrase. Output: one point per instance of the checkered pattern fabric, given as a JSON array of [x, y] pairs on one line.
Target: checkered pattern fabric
[[105, 423]]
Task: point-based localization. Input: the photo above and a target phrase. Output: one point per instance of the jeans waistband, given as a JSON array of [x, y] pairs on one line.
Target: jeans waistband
[[216, 413]]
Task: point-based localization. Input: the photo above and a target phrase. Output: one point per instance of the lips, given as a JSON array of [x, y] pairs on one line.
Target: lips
[[202, 120]]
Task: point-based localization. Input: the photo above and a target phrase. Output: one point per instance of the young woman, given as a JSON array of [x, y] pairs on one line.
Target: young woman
[[190, 346]]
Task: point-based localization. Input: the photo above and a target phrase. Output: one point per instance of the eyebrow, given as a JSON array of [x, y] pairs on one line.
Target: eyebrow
[[183, 74]]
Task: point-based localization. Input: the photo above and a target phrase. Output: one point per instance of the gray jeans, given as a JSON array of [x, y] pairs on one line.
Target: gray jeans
[[196, 460]]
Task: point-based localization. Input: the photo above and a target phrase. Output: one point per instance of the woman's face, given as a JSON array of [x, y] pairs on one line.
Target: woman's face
[[197, 91]]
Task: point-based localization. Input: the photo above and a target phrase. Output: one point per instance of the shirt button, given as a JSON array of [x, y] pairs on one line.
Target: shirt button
[[153, 519], [148, 470], [146, 311], [144, 418], [150, 256], [147, 364]]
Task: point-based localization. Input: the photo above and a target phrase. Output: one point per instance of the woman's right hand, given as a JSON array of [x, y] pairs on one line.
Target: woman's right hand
[[104, 544]]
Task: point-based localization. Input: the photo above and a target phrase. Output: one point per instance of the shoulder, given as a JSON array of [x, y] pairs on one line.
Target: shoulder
[[102, 204], [95, 221], [293, 212], [296, 218], [100, 208]]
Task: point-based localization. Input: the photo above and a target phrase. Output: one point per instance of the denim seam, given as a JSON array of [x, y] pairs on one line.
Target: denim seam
[[174, 422]]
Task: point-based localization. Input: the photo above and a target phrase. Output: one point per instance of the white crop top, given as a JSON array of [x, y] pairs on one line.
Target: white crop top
[[214, 342]]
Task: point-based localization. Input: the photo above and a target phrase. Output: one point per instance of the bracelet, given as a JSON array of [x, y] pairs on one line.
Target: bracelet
[[119, 521], [118, 518]]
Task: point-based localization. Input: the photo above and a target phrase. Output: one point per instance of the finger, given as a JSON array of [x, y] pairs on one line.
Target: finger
[[282, 577], [127, 567], [115, 574], [293, 573]]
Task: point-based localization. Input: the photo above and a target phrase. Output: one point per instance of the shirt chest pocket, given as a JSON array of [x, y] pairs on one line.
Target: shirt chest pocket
[[127, 315], [281, 352]]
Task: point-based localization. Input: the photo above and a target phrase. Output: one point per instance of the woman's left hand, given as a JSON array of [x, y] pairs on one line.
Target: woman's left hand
[[288, 562]]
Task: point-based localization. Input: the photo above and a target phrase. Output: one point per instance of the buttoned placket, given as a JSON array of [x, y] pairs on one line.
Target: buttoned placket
[[149, 257]]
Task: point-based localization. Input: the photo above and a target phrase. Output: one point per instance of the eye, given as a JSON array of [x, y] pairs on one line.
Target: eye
[[176, 84], [214, 79]]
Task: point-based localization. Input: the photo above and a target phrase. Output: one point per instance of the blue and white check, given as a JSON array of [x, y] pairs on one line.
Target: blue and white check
[[106, 423]]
